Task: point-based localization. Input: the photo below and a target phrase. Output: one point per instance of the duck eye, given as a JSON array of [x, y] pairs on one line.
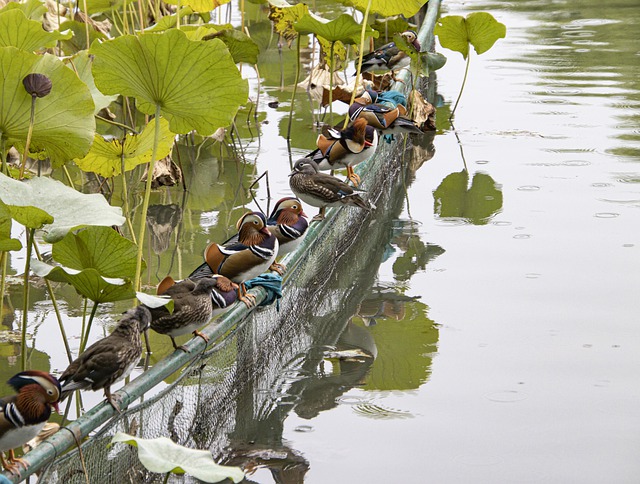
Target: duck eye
[[50, 392], [295, 207]]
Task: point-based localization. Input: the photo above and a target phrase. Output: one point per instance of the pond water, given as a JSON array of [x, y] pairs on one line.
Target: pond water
[[504, 314]]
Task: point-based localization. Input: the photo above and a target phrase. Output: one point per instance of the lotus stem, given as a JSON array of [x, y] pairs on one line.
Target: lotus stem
[[3, 153], [115, 123], [29, 133], [3, 264], [54, 302], [331, 82], [464, 81], [360, 55], [85, 337], [147, 195], [295, 88], [125, 194], [86, 24], [25, 302]]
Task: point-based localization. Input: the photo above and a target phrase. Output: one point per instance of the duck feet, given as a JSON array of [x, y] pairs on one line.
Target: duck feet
[[279, 268], [114, 401], [202, 335], [353, 177], [248, 299], [320, 216], [13, 466]]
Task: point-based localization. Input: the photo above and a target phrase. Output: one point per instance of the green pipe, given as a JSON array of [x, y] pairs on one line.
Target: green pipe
[[65, 439]]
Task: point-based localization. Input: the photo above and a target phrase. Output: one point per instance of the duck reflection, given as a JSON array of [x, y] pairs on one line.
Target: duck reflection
[[162, 220]]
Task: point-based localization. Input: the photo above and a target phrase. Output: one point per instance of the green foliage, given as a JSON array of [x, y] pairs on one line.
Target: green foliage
[[344, 28], [6, 242], [196, 84], [33, 9], [64, 123], [98, 262], [390, 25], [81, 64], [388, 8], [99, 6], [199, 5], [422, 63], [59, 207], [106, 156], [162, 455], [476, 204], [284, 16], [479, 29], [18, 31], [240, 45], [78, 42]]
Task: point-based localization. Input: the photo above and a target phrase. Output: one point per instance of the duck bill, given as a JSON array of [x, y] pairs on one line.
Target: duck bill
[[265, 231], [303, 214], [55, 407], [367, 143]]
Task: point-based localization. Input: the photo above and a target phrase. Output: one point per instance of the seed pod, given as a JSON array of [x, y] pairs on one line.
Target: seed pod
[[37, 85]]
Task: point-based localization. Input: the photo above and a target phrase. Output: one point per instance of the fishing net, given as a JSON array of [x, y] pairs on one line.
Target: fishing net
[[234, 398]]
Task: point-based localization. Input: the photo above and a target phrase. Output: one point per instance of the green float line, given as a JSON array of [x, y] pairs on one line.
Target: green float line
[[65, 439]]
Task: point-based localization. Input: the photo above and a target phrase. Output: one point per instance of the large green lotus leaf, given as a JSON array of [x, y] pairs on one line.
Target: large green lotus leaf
[[69, 208], [196, 84], [64, 123], [344, 28], [99, 248], [105, 157], [6, 242], [199, 5], [78, 42], [240, 45], [89, 283], [33, 9], [388, 8], [162, 455], [18, 31], [476, 204], [30, 217], [284, 16], [479, 29], [81, 64]]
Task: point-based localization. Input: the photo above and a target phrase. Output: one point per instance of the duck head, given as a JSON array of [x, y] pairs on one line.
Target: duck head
[[252, 228], [287, 211], [306, 166], [39, 384]]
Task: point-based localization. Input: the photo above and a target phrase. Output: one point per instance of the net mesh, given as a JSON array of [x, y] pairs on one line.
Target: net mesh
[[233, 400]]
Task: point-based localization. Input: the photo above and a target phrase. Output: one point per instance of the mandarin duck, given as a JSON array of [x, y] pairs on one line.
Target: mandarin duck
[[244, 256], [346, 148], [195, 303], [110, 359], [321, 190], [389, 56], [382, 117], [288, 223], [22, 416]]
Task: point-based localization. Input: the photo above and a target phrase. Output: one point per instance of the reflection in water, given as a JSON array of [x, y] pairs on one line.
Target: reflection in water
[[476, 204], [161, 222]]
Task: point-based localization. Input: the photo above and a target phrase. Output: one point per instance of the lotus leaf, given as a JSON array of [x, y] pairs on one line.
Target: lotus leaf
[[6, 242], [105, 156], [169, 21], [284, 16], [99, 6], [162, 455], [240, 45], [81, 63], [344, 28], [69, 208], [388, 8], [479, 29], [18, 31], [33, 9], [99, 248], [389, 26], [64, 123], [199, 5], [196, 84], [89, 283]]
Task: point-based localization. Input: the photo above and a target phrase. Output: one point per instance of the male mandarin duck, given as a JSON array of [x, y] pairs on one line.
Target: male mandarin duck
[[389, 56], [288, 223], [109, 360], [244, 256], [346, 148], [321, 190], [382, 117], [22, 416], [195, 303]]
